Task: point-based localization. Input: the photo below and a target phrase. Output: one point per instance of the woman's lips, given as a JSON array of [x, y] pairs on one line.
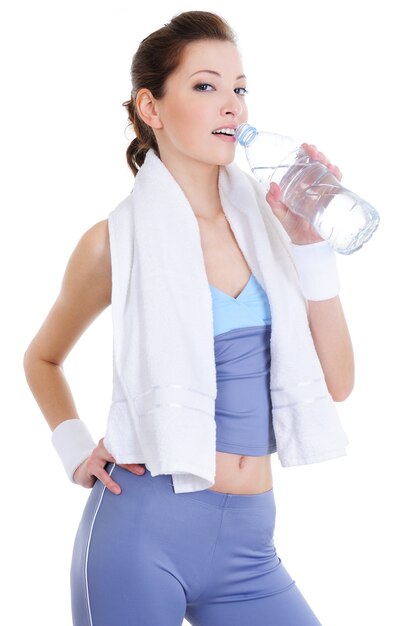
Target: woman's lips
[[228, 138]]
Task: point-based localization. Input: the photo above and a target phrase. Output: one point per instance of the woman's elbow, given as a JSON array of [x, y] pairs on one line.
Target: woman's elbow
[[341, 392]]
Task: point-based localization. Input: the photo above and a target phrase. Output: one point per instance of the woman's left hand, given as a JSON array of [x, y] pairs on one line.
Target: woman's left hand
[[298, 228]]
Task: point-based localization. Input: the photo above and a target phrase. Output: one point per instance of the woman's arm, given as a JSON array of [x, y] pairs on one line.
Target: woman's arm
[[317, 270], [333, 345], [85, 292]]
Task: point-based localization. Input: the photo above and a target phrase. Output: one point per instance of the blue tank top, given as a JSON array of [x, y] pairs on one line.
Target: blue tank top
[[242, 333]]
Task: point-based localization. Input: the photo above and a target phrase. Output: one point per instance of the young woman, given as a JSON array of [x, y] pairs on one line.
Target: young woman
[[144, 554]]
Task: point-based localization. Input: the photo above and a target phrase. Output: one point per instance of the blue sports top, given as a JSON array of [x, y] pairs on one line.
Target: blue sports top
[[242, 334]]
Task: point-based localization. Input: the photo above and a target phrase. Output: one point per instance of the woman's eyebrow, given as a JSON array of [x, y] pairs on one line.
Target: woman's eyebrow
[[217, 73]]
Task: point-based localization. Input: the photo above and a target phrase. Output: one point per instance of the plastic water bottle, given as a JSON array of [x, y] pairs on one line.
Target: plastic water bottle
[[308, 188]]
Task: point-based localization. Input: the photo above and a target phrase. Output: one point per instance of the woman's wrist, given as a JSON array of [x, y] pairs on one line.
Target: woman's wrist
[[316, 264], [73, 443]]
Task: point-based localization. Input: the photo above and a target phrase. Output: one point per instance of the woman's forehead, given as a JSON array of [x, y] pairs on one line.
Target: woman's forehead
[[217, 56]]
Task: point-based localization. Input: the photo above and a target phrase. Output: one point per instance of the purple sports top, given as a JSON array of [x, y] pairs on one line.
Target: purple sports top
[[242, 333]]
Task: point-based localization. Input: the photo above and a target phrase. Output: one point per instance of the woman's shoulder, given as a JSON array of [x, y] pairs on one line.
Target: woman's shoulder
[[97, 236], [93, 251], [94, 242]]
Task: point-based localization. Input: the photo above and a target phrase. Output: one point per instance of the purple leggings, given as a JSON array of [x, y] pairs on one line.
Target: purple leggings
[[151, 557]]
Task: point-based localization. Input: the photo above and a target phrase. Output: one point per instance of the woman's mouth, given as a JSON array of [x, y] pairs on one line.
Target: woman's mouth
[[227, 138]]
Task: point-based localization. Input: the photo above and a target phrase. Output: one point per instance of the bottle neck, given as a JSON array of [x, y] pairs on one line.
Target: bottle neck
[[245, 133]]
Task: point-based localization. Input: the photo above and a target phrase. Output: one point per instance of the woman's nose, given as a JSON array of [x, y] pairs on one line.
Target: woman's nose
[[233, 106]]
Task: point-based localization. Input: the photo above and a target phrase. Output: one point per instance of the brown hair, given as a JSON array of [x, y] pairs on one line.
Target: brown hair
[[157, 57]]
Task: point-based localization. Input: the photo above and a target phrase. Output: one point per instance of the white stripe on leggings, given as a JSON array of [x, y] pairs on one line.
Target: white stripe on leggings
[[88, 548]]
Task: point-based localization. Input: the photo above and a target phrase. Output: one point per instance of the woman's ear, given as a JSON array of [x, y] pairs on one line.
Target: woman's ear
[[147, 108]]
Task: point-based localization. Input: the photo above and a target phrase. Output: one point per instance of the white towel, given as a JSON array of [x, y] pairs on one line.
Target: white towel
[[163, 405]]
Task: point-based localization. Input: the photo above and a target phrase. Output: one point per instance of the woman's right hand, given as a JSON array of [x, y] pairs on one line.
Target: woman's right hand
[[92, 468]]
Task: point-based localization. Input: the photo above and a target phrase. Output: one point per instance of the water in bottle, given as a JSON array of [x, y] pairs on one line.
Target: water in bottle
[[309, 188]]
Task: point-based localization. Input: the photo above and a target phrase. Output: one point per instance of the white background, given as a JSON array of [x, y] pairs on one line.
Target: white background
[[340, 75]]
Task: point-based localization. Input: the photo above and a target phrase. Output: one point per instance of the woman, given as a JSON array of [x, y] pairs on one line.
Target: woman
[[145, 553]]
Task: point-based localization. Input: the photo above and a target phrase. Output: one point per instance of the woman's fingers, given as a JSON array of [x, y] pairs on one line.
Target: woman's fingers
[[95, 467], [335, 171], [102, 454], [136, 468], [108, 481], [92, 467], [319, 156], [315, 153]]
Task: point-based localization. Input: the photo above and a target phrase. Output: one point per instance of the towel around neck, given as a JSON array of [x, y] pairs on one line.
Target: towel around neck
[[164, 383]]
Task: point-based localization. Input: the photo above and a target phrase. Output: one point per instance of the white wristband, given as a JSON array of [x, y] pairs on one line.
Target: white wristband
[[73, 443], [317, 270]]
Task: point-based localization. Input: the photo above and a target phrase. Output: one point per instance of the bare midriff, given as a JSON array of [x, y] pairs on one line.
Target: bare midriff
[[240, 474]]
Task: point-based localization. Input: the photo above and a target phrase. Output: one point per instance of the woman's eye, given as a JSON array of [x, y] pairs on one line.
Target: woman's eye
[[201, 85]]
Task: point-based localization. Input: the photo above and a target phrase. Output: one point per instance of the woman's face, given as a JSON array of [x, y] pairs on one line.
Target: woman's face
[[197, 102]]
